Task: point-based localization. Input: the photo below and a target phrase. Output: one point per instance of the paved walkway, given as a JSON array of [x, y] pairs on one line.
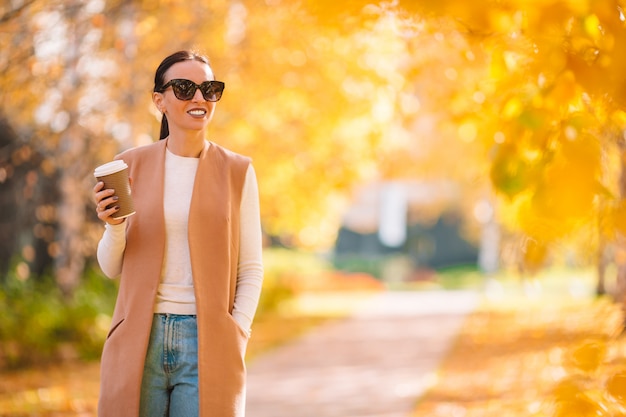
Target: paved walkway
[[376, 363]]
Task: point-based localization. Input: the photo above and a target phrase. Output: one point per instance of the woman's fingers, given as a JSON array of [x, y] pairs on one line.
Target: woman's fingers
[[105, 203]]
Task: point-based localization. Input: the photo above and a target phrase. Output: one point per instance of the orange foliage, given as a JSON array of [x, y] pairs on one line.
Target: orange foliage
[[337, 281], [550, 357], [616, 387], [521, 96]]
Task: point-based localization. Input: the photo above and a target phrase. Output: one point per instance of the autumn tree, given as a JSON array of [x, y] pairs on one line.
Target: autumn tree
[[57, 87], [88, 97], [521, 98], [553, 111]]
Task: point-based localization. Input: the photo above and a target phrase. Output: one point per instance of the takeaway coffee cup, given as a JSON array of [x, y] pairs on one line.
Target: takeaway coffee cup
[[114, 174]]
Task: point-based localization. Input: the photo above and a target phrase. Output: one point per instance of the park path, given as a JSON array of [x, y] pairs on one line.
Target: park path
[[375, 363]]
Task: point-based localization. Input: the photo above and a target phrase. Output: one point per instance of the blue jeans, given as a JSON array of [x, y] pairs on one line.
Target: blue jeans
[[170, 376]]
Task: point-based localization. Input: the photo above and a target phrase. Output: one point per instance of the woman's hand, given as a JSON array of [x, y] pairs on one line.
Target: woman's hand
[[104, 198]]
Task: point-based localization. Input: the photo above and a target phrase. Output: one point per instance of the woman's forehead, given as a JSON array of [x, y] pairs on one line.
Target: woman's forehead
[[190, 69]]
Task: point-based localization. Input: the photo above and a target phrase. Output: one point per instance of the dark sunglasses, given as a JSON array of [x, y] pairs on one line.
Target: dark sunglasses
[[186, 89]]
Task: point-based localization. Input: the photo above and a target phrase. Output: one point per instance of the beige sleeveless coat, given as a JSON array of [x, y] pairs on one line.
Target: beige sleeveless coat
[[214, 246]]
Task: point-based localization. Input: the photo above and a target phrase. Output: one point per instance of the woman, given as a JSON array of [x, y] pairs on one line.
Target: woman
[[189, 261]]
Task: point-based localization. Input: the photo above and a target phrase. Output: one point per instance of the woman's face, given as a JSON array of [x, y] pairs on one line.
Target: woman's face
[[186, 115]]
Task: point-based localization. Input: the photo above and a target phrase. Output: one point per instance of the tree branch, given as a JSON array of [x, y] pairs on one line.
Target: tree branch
[[11, 14]]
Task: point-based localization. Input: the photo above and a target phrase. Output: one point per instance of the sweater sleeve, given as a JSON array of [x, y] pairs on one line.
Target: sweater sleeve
[[111, 249], [250, 266]]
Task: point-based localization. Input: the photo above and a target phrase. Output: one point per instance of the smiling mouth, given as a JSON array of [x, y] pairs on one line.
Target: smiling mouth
[[197, 112]]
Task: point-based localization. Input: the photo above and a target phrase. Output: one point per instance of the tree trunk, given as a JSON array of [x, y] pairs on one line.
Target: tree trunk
[[70, 260], [71, 151], [620, 241], [601, 271], [602, 259]]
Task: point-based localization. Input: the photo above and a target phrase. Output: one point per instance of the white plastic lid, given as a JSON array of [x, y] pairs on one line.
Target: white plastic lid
[[110, 168]]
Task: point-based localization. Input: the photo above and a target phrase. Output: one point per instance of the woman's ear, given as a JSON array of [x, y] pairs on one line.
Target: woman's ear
[[157, 99]]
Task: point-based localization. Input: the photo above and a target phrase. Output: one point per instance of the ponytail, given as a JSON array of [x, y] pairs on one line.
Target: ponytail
[[165, 128]]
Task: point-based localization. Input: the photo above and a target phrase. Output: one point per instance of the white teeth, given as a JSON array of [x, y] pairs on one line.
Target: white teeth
[[197, 112]]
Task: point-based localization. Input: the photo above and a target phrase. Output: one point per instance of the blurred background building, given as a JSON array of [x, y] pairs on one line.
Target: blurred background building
[[401, 230]]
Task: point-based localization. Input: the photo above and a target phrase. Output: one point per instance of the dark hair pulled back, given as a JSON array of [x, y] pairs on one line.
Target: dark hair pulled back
[[159, 77]]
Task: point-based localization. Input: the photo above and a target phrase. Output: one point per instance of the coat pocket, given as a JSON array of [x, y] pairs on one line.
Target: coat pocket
[[241, 330], [114, 327]]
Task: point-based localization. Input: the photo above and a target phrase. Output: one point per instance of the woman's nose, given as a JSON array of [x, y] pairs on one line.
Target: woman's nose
[[197, 95]]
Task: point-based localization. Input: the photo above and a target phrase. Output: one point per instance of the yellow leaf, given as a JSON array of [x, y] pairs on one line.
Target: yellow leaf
[[512, 108], [616, 387], [592, 27], [568, 389], [580, 406], [619, 118], [589, 355], [563, 92]]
